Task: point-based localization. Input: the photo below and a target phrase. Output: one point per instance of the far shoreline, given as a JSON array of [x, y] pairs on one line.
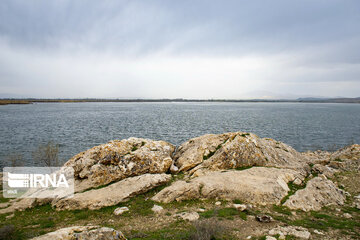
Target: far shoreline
[[6, 101]]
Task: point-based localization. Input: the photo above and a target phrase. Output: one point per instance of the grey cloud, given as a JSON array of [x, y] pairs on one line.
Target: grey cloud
[[310, 41]]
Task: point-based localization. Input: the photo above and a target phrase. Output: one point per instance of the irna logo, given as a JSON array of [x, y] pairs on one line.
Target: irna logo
[[38, 182], [16, 180]]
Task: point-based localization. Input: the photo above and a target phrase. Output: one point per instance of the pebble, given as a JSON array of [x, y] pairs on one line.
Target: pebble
[[157, 208], [120, 210]]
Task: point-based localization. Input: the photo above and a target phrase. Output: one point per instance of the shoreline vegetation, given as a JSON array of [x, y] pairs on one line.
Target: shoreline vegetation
[[6, 101]]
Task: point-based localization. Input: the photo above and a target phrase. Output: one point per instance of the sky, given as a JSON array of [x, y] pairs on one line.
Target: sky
[[179, 49]]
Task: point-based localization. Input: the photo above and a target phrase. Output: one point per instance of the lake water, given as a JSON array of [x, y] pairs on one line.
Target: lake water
[[79, 126]]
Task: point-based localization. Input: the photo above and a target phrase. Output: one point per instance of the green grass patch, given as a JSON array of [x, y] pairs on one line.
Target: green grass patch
[[237, 201], [282, 209], [293, 188], [227, 213], [245, 134], [325, 221], [338, 160], [134, 148]]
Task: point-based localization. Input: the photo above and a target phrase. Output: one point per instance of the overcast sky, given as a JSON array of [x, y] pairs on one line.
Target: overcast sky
[[179, 49]]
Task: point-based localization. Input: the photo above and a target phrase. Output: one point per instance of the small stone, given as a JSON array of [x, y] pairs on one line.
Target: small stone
[[111, 221], [264, 218], [357, 197], [249, 206], [218, 203], [174, 169], [240, 207], [120, 210], [297, 181], [338, 209], [10, 216], [192, 216], [248, 237], [318, 232], [347, 215], [201, 210], [157, 208], [270, 238], [282, 237], [295, 231]]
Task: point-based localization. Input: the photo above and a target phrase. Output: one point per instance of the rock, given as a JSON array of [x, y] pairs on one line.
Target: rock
[[201, 210], [282, 237], [264, 219], [240, 207], [24, 203], [297, 181], [351, 152], [120, 210], [173, 169], [326, 170], [117, 160], [113, 194], [258, 185], [248, 237], [270, 238], [217, 203], [318, 192], [347, 215], [295, 231], [83, 233], [157, 208], [4, 205], [357, 205], [10, 216], [318, 232], [317, 157], [234, 150], [192, 216]]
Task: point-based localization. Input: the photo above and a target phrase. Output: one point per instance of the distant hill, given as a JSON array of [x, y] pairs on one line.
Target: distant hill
[[6, 101], [330, 100]]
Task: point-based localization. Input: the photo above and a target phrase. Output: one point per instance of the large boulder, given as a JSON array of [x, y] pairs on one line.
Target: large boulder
[[235, 150], [120, 159], [258, 185], [83, 233], [113, 194], [319, 192]]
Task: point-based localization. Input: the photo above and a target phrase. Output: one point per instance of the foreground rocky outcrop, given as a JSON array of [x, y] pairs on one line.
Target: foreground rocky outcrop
[[83, 233], [111, 173], [235, 150], [262, 179], [258, 185], [117, 160], [319, 192], [113, 194]]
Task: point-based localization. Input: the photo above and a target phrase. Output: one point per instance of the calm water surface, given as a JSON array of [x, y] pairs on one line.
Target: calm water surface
[[79, 126]]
